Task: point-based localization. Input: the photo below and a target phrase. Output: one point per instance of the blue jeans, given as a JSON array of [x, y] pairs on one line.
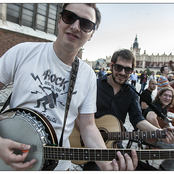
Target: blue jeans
[[142, 86]]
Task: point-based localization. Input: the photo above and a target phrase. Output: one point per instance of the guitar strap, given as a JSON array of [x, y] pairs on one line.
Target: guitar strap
[[74, 70], [73, 75], [153, 107], [6, 103]]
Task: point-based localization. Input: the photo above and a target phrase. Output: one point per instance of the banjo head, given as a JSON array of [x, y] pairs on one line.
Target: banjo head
[[26, 127]]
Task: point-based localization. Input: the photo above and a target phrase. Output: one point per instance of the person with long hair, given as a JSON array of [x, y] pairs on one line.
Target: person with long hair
[[163, 101]]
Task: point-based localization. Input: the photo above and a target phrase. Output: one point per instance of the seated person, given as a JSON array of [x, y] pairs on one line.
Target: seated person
[[162, 101], [147, 94]]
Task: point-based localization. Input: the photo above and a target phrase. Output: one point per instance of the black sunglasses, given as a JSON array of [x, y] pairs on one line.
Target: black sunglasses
[[119, 68], [69, 18]]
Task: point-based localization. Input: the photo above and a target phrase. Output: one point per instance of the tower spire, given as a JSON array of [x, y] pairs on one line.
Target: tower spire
[[136, 48]]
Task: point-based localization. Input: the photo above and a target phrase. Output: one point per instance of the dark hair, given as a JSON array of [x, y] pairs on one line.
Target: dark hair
[[160, 93], [97, 12], [162, 68], [124, 54]]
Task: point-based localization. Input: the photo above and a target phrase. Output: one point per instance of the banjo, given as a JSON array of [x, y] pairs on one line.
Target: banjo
[[30, 127]]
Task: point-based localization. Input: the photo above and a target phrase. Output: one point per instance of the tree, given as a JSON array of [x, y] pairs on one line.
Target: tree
[[148, 71]]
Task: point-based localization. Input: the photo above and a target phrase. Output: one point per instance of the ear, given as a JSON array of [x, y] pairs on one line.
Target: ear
[[111, 65]]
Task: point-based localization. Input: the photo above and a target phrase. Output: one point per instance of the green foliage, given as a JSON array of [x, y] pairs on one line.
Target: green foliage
[[148, 71]]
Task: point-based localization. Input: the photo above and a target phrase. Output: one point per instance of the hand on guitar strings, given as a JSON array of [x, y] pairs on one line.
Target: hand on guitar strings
[[169, 135], [124, 163], [7, 148]]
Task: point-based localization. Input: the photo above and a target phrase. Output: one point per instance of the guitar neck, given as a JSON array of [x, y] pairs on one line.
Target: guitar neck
[[117, 136], [84, 154]]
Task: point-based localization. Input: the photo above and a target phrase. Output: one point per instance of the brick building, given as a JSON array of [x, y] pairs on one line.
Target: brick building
[[28, 22]]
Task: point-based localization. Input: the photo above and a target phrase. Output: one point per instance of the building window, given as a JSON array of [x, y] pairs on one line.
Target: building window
[[13, 12], [27, 15], [40, 16], [52, 20]]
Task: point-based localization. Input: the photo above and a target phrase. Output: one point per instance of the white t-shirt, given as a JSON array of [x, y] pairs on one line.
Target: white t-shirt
[[152, 77], [36, 72]]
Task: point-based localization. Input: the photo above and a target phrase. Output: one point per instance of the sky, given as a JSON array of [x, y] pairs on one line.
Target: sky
[[153, 23]]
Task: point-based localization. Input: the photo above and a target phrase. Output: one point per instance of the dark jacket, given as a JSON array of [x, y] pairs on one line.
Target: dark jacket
[[142, 77]]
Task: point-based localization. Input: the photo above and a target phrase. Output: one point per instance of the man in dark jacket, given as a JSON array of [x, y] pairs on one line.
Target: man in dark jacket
[[143, 80]]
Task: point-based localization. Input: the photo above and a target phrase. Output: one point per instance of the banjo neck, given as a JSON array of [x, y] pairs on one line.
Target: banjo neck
[[85, 154]]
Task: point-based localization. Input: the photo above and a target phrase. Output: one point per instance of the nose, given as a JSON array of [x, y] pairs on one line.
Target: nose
[[76, 25]]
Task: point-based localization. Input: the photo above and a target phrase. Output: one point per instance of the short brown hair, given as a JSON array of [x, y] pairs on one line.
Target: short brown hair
[[162, 68], [97, 12], [126, 55]]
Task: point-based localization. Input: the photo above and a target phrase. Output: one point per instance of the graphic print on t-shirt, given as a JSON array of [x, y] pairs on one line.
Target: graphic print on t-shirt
[[52, 88]]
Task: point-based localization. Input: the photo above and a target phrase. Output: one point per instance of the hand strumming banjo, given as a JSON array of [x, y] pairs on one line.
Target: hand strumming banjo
[[30, 127]]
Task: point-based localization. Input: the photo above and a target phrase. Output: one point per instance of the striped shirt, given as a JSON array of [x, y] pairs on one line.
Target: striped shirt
[[162, 83]]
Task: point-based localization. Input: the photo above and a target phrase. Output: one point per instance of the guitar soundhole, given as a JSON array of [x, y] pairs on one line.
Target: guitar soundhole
[[103, 131]]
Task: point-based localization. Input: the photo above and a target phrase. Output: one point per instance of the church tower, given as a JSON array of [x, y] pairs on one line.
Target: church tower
[[135, 49]]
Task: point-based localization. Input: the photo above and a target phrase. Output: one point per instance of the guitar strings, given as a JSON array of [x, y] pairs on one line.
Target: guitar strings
[[106, 154]]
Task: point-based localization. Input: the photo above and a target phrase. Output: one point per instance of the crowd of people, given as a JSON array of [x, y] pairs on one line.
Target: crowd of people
[[112, 93], [33, 67], [143, 78]]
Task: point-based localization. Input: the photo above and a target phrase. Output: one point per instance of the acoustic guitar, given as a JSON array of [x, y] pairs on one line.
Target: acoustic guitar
[[112, 131], [163, 125], [170, 118], [30, 127]]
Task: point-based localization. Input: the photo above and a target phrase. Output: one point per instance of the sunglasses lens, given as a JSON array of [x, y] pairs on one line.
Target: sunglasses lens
[[119, 68], [128, 70], [69, 17], [86, 25]]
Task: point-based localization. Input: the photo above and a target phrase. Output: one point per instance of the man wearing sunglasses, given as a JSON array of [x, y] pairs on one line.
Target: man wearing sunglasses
[[48, 65], [116, 97]]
